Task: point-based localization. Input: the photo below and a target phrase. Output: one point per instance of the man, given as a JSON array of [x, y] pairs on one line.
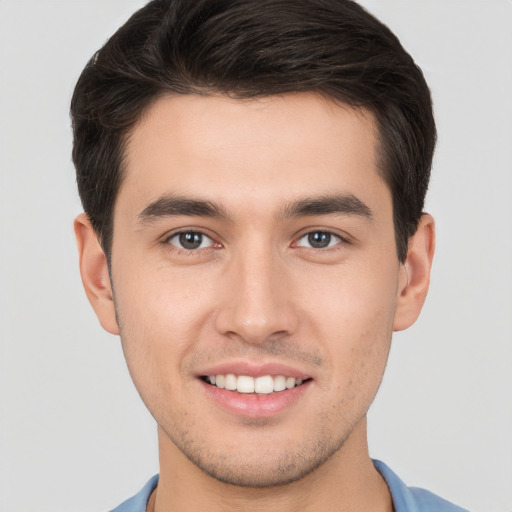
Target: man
[[253, 176]]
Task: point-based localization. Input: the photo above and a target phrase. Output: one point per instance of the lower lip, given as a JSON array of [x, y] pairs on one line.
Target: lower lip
[[252, 405]]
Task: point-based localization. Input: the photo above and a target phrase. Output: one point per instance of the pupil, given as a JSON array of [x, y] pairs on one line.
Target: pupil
[[319, 240], [191, 240]]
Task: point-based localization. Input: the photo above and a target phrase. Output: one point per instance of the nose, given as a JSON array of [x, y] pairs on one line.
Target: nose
[[257, 302]]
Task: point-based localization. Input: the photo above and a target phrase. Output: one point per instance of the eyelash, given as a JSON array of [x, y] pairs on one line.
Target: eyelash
[[339, 241], [184, 250]]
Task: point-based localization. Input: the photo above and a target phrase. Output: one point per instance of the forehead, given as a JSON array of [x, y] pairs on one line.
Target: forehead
[[258, 150]]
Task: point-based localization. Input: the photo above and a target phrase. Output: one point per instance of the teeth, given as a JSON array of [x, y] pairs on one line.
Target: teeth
[[219, 381], [261, 385], [280, 383], [290, 382], [230, 382], [245, 384], [264, 385]]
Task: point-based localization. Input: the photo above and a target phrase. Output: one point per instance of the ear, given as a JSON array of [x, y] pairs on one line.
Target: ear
[[415, 274], [94, 272]]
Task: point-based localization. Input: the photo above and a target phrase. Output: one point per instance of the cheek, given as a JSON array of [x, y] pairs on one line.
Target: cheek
[[357, 299], [351, 315], [161, 315], [161, 301]]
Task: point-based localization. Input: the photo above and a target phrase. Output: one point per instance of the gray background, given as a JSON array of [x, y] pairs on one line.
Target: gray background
[[74, 436]]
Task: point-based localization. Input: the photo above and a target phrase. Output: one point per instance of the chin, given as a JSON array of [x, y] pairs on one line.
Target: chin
[[264, 467], [260, 476]]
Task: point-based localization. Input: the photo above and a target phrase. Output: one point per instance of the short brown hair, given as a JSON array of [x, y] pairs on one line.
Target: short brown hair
[[253, 48]]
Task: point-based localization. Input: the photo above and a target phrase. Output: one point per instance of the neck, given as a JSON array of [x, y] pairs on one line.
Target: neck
[[346, 481]]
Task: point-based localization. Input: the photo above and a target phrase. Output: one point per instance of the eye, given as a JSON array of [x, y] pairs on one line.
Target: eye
[[319, 240], [190, 240]]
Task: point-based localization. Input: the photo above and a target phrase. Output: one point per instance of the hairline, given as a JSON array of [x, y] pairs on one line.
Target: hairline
[[107, 239]]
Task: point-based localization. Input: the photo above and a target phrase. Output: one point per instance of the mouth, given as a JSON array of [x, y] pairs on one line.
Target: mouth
[[245, 384], [255, 390]]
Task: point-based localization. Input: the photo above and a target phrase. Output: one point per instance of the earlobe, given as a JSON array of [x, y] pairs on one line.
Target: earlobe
[[95, 275], [415, 274]]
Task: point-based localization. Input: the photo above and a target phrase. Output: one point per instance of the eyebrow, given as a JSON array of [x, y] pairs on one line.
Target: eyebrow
[[173, 206], [337, 204]]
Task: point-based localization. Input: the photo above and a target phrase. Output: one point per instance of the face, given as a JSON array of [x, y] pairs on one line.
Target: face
[[254, 248]]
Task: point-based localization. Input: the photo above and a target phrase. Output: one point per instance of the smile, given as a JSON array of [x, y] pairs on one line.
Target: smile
[[263, 385]]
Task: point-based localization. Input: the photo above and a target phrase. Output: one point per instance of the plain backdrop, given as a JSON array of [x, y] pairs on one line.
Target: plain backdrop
[[74, 435]]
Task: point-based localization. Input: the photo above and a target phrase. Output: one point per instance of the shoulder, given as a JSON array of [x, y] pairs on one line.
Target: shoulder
[[405, 499], [429, 502], [413, 499], [138, 502]]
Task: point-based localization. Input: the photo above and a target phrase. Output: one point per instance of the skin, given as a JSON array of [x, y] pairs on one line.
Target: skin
[[257, 291]]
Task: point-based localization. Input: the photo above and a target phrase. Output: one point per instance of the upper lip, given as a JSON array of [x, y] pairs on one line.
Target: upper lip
[[253, 369]]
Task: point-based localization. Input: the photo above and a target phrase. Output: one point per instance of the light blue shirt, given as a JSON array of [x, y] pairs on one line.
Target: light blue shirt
[[405, 499]]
